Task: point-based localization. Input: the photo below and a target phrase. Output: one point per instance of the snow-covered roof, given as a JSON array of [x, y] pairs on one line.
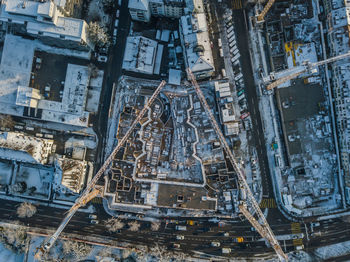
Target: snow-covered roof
[[69, 28], [194, 6], [15, 71], [71, 109], [38, 148], [46, 9], [20, 7], [138, 4], [45, 19], [197, 43], [140, 54], [297, 54], [27, 96], [174, 77]]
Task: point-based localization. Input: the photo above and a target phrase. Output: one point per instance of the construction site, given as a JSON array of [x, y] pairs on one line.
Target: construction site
[[307, 157], [174, 149]]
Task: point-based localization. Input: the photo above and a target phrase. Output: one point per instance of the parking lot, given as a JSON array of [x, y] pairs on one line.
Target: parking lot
[[49, 73]]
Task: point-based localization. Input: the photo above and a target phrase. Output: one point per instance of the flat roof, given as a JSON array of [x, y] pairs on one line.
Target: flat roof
[[37, 148], [69, 27], [15, 71], [140, 54]]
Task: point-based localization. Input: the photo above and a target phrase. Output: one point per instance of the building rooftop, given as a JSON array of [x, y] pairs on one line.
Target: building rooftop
[[37, 148], [45, 19], [197, 43], [15, 93], [138, 4], [140, 55]]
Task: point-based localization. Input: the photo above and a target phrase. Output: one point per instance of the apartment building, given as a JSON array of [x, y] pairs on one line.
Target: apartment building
[[142, 10], [43, 20], [139, 10], [338, 24], [195, 42]]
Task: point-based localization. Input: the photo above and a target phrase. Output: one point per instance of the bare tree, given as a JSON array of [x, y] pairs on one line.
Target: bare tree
[[98, 34], [6, 121], [155, 226], [26, 209], [134, 226], [113, 224], [76, 249], [14, 238]]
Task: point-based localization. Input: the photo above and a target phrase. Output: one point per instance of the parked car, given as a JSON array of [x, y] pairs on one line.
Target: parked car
[[94, 221], [116, 23], [92, 216], [102, 58], [117, 14], [215, 244], [180, 237], [140, 215], [245, 115]]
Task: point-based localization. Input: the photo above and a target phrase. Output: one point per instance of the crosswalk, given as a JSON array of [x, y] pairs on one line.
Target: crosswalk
[[268, 203], [97, 200], [236, 4], [296, 229]]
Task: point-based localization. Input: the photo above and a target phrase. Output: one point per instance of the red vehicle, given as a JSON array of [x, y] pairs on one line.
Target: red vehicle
[[245, 115]]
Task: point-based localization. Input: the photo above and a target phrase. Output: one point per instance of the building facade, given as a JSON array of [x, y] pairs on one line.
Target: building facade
[[338, 24], [142, 10]]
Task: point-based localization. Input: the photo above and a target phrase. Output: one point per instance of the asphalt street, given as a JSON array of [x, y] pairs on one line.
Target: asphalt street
[[328, 232], [113, 71]]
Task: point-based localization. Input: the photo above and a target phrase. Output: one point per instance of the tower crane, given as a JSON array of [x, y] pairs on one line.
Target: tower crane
[[260, 17], [91, 189], [262, 227], [289, 74]]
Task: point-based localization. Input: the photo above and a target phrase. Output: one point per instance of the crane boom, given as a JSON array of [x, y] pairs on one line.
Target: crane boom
[[331, 59], [265, 10], [89, 193], [289, 75], [267, 232], [52, 239], [284, 79]]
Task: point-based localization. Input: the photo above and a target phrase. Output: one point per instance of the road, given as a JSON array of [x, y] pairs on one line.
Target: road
[[113, 71], [328, 232]]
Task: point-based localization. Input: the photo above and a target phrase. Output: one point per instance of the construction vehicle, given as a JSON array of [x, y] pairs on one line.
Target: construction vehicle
[[239, 240], [262, 226], [91, 189], [278, 78], [260, 17], [190, 222]]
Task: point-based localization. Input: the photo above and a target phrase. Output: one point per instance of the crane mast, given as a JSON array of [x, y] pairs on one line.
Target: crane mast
[[265, 228], [91, 191]]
